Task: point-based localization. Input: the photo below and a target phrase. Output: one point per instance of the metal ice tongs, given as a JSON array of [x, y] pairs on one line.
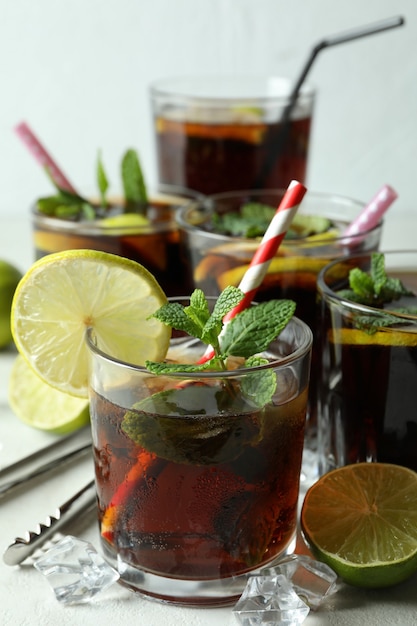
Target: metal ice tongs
[[54, 455], [21, 548], [58, 453]]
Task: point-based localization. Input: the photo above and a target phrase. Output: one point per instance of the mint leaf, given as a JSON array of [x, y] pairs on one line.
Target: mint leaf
[[371, 323], [173, 368], [227, 300], [362, 285], [254, 328], [378, 274], [102, 181], [168, 425], [251, 221], [64, 205], [174, 314], [258, 387], [136, 198]]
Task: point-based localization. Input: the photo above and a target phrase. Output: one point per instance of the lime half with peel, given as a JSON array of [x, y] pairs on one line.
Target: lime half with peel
[[65, 293], [40, 406], [361, 520]]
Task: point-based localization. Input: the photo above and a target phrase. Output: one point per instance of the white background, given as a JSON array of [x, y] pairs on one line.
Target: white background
[[78, 72]]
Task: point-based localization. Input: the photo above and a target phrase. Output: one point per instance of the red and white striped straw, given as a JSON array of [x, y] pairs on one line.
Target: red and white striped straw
[[43, 157], [266, 251], [371, 215]]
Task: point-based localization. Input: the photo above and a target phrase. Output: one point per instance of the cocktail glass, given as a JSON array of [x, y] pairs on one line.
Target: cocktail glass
[[368, 380], [198, 480], [221, 133], [217, 260], [153, 243]]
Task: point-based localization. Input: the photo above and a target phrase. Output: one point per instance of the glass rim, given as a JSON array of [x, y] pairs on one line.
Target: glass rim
[[314, 195], [171, 87], [356, 307], [280, 362]]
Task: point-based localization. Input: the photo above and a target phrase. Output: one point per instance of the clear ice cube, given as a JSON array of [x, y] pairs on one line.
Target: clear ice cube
[[75, 571], [312, 580], [269, 601]]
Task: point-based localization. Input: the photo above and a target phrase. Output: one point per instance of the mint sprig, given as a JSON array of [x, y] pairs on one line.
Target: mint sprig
[[69, 206], [375, 288], [254, 218], [249, 332]]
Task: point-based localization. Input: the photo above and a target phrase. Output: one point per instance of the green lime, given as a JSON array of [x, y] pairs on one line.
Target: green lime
[[9, 278], [41, 406], [361, 520]]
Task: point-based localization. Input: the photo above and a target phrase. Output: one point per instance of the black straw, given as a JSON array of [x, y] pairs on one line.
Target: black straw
[[351, 35]]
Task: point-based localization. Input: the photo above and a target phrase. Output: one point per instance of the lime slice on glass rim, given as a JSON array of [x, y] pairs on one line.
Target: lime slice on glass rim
[[63, 294], [361, 520], [40, 406]]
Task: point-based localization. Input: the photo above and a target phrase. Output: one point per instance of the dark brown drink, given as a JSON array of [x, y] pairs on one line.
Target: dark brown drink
[[368, 388], [212, 158], [217, 507]]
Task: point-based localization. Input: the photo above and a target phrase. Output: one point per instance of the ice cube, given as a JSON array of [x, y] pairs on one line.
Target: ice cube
[[75, 571], [311, 580], [268, 601]]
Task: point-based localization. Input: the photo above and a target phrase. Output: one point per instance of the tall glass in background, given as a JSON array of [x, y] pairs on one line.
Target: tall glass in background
[[368, 381], [152, 241], [197, 483], [223, 133], [217, 260]]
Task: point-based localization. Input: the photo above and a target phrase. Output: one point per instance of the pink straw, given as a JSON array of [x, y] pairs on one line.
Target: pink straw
[[266, 251], [43, 157], [371, 215]]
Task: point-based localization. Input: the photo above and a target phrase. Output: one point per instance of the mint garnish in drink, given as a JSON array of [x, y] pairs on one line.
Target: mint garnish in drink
[[70, 206], [254, 218], [211, 421], [376, 289], [248, 333]]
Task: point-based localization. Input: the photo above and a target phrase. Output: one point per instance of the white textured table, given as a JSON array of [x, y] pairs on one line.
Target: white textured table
[[25, 596]]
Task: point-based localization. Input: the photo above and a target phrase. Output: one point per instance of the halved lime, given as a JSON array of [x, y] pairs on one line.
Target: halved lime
[[64, 293], [362, 521], [41, 406]]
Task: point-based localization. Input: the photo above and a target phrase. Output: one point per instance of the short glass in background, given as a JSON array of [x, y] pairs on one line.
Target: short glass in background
[[151, 239], [368, 382], [197, 485], [217, 260], [223, 133]]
